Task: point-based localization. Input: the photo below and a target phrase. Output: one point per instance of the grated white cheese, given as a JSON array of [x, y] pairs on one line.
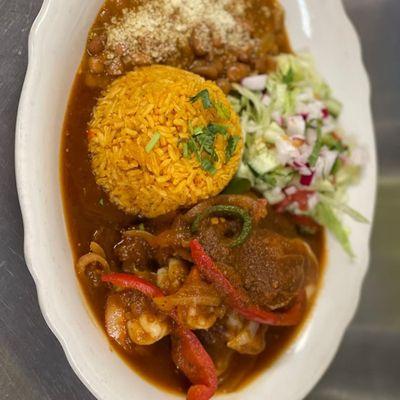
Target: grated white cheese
[[156, 27]]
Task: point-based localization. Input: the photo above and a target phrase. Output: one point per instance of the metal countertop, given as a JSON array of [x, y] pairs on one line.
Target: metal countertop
[[32, 364]]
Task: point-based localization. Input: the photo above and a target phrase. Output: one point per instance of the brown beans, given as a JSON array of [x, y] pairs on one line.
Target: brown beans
[[216, 40], [96, 65], [96, 44], [209, 70], [264, 63], [244, 55], [200, 41], [224, 85], [237, 72], [206, 71]]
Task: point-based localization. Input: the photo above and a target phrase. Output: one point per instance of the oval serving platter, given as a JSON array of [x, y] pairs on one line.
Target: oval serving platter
[[56, 45]]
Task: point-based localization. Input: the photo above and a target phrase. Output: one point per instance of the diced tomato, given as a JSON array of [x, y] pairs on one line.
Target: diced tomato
[[300, 197]]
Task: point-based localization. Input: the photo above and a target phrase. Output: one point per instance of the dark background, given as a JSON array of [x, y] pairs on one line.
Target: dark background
[[32, 364]]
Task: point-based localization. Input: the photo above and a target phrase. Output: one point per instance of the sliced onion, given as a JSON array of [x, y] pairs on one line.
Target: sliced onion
[[91, 258], [97, 249], [148, 237]]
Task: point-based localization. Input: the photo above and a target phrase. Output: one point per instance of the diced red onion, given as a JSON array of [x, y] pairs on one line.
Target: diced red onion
[[302, 168], [306, 180], [255, 82]]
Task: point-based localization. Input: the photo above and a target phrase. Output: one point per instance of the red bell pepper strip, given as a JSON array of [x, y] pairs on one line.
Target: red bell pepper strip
[[130, 281], [290, 317], [191, 358], [188, 353], [300, 197], [212, 274], [236, 299]]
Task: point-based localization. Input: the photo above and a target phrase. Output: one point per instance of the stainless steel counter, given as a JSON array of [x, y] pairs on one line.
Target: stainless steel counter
[[32, 364]]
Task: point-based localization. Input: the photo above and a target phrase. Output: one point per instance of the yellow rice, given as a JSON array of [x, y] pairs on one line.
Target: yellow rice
[[131, 110]]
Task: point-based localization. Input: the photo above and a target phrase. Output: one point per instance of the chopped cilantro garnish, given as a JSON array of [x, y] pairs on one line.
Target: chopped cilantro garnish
[[333, 143], [208, 166], [153, 141], [204, 96], [336, 166], [222, 111], [185, 150], [217, 128], [288, 77], [231, 147], [201, 144], [312, 160]]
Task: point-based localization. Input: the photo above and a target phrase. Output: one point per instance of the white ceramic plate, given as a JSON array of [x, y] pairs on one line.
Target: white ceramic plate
[[55, 49]]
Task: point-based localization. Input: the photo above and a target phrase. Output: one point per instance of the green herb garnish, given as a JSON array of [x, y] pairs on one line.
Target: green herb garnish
[[231, 147], [312, 160], [153, 141], [202, 145], [217, 128], [333, 143], [204, 96], [208, 166], [222, 111], [288, 77], [231, 211]]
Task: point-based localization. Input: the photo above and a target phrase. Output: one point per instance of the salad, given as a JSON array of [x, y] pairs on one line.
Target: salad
[[295, 152]]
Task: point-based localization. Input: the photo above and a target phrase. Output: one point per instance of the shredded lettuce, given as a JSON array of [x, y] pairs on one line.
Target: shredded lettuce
[[296, 89], [348, 174], [325, 216], [304, 73], [343, 207]]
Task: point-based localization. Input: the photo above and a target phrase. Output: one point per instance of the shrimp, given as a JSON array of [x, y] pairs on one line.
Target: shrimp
[[245, 337], [131, 319]]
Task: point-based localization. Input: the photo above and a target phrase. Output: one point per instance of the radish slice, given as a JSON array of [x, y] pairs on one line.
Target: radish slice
[[306, 180], [255, 82]]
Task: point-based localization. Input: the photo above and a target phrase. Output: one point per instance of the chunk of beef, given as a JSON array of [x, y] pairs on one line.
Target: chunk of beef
[[134, 253]]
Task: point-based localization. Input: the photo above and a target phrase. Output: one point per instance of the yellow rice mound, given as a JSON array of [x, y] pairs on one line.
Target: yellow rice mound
[[131, 110]]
